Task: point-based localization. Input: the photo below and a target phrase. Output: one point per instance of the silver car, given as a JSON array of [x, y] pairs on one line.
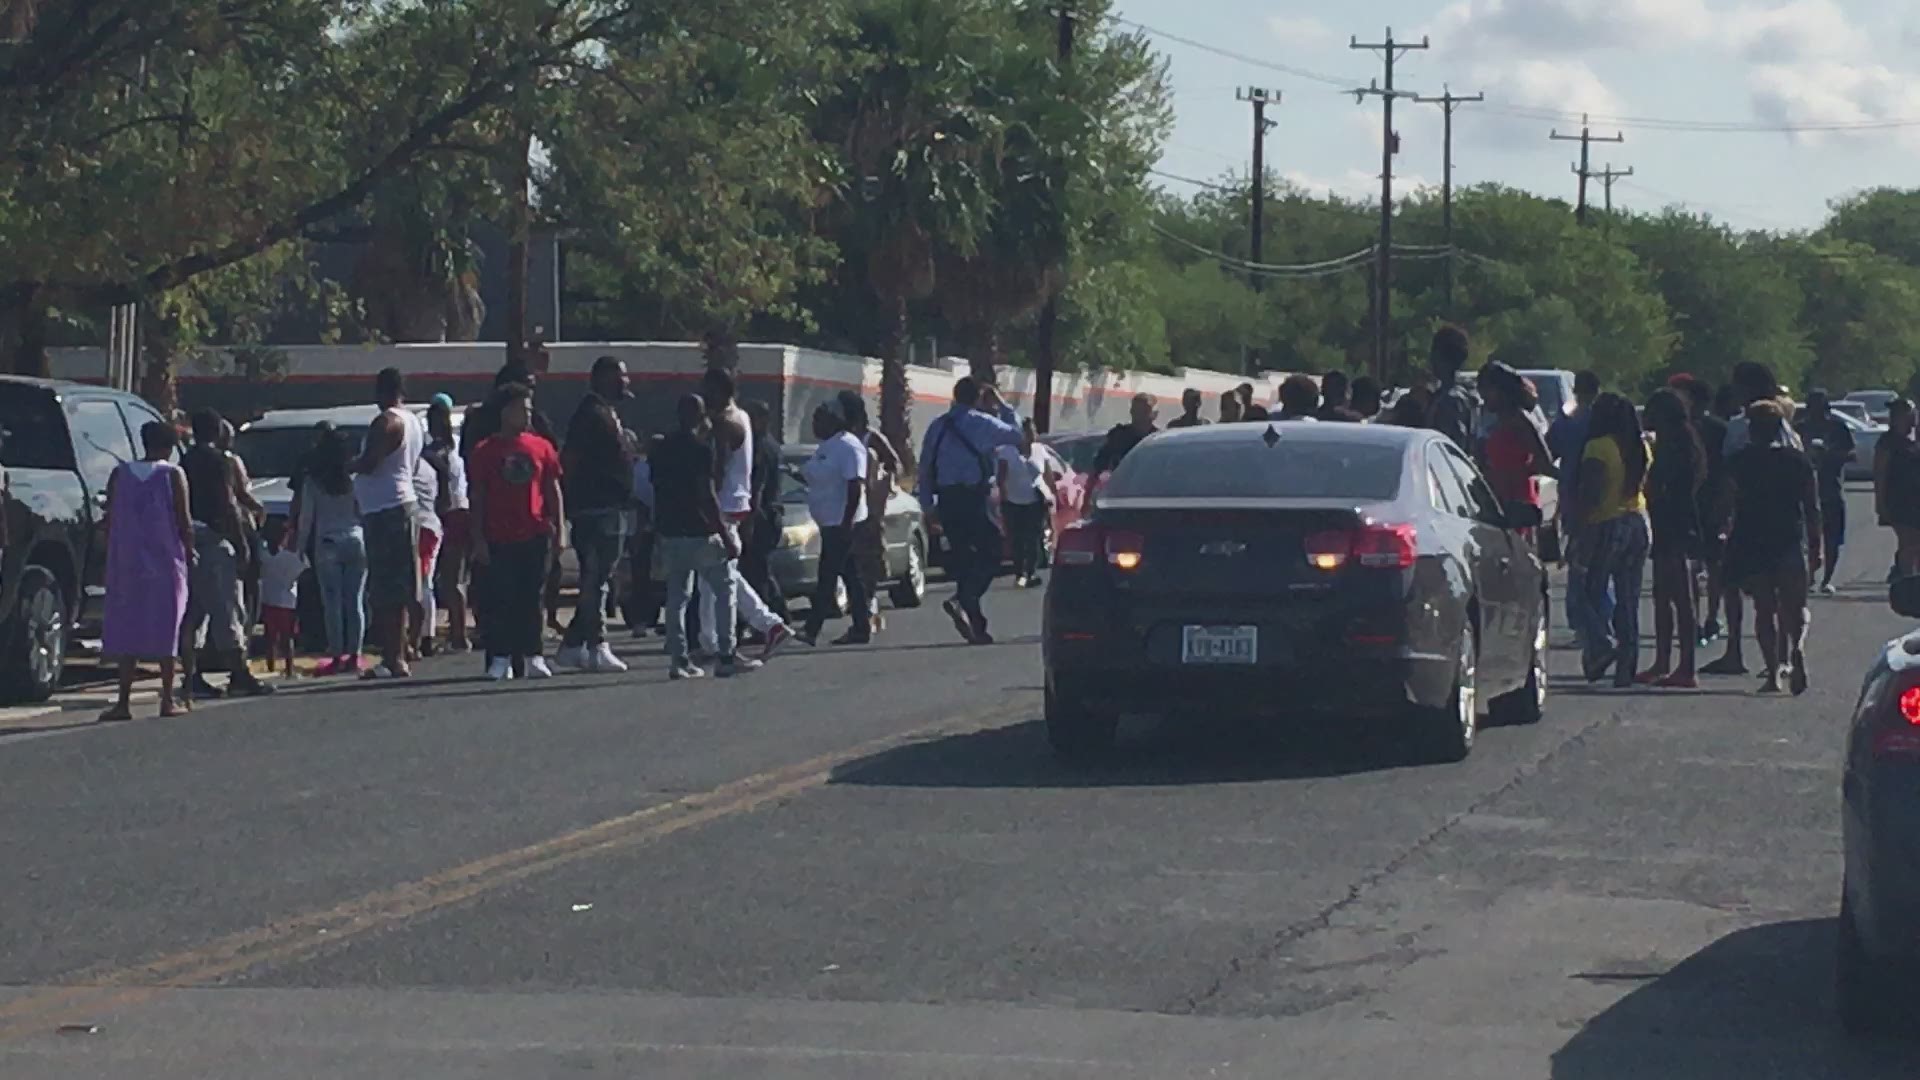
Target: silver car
[[796, 561]]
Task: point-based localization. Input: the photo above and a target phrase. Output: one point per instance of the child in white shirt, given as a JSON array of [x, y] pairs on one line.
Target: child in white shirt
[[280, 595]]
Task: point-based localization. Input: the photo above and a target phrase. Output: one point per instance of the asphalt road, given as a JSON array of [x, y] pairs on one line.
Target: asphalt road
[[864, 864]]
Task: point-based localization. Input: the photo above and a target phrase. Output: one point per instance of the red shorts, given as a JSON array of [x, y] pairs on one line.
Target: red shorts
[[429, 546], [280, 622]]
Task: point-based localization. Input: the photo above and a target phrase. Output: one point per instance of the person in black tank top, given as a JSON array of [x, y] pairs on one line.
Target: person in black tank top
[[1896, 485], [216, 597], [1774, 545]]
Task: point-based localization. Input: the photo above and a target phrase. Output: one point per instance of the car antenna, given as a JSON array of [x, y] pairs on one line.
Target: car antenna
[[1271, 438]]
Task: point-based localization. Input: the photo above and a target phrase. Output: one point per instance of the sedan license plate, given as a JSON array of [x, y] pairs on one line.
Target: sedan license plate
[[1220, 645]]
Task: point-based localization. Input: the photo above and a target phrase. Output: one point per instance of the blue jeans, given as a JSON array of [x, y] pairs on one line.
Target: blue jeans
[[340, 566], [599, 538], [685, 558], [1582, 615]]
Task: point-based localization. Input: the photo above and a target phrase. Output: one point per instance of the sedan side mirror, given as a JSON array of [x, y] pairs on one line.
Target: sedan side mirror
[[1904, 596], [1523, 515]]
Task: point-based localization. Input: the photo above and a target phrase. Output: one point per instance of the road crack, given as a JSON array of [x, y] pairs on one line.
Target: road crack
[[1240, 967]]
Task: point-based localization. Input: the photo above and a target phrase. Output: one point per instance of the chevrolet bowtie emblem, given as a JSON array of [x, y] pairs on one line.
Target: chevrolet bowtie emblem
[[1223, 547]]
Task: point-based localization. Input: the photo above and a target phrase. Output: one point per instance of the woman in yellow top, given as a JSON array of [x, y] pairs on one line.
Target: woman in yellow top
[[1612, 522]]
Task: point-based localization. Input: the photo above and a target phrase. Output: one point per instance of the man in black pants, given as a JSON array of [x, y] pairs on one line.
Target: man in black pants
[[756, 557], [956, 465]]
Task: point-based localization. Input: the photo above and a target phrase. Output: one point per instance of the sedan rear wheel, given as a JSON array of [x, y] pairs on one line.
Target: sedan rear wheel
[[1445, 734], [1867, 995], [911, 590], [1077, 733], [1529, 703]]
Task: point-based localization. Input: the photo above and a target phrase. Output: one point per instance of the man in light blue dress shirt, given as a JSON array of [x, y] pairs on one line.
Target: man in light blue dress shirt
[[956, 467]]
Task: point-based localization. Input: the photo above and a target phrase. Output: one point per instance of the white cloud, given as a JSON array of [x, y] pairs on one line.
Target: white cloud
[[1801, 29], [1301, 31], [1361, 185], [1564, 26], [1833, 92]]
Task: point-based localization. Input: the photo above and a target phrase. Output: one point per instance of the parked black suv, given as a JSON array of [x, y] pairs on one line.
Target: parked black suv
[[59, 443]]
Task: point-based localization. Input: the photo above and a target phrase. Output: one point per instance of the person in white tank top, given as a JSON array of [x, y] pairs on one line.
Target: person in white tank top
[[383, 484], [733, 446]]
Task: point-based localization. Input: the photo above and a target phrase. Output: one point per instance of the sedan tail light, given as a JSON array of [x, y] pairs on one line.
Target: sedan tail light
[[1386, 547], [1086, 543], [1899, 734]]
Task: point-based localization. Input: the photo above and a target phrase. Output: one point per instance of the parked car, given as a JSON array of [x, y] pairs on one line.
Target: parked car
[[796, 562], [59, 444], [1876, 402], [272, 447], [1230, 568], [1866, 436], [1878, 959], [1077, 450]]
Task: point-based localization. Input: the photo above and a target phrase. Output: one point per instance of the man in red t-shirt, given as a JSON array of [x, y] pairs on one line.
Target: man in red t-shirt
[[514, 488]]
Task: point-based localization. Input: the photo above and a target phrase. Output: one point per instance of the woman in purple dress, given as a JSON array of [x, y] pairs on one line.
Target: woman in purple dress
[[149, 543]]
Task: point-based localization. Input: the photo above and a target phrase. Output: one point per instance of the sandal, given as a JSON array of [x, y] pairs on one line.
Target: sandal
[[117, 714], [176, 712], [1679, 681], [381, 672]]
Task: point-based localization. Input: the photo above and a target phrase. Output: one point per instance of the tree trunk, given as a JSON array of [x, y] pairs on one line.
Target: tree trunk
[[721, 347], [984, 354], [23, 330], [159, 384], [520, 232], [896, 396]]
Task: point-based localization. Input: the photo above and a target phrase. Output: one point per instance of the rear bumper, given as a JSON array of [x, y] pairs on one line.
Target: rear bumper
[[1381, 686]]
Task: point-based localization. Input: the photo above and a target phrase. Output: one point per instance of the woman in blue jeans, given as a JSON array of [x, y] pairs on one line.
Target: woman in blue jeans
[[329, 530]]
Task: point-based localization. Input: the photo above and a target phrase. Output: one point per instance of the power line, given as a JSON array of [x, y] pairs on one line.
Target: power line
[[1328, 266], [1301, 73]]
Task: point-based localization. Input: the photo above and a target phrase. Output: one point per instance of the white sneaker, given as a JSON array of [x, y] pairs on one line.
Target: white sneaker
[[573, 657], [685, 669], [500, 670], [603, 659], [537, 668]]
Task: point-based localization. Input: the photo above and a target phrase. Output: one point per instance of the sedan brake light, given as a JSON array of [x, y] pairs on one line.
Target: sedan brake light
[[1078, 544], [1126, 550], [1899, 735], [1373, 545]]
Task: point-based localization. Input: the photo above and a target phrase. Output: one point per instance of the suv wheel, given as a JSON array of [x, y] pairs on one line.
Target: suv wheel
[[911, 590], [36, 638]]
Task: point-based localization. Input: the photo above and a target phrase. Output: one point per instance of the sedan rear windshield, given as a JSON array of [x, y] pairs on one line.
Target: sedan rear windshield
[[1249, 470], [276, 452]]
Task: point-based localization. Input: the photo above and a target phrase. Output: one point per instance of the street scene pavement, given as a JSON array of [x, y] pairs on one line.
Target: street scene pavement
[[864, 863]]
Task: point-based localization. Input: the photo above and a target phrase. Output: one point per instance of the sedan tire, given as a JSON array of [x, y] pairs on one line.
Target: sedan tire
[[1866, 993], [1077, 733], [911, 590], [1445, 735], [1528, 704]]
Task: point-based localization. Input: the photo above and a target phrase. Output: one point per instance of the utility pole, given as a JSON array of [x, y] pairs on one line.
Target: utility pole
[[1584, 170], [1050, 314], [1606, 177], [1256, 219], [1390, 51], [1448, 101]]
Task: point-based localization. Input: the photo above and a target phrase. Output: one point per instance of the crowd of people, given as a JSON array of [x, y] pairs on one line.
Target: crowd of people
[[426, 515], [1721, 491]]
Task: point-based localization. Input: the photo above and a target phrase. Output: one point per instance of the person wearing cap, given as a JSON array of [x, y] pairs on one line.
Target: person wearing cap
[[836, 495]]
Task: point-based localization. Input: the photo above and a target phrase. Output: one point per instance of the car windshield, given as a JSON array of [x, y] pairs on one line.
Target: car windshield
[[275, 452], [1247, 468], [793, 485], [1552, 393]]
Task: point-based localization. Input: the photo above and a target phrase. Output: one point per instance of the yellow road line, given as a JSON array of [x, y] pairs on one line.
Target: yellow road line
[[108, 987]]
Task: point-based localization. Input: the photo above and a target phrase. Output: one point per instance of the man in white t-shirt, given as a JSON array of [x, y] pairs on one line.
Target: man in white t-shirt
[[1026, 474], [836, 495]]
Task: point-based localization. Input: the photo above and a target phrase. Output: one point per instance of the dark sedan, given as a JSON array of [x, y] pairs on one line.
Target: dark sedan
[[1879, 950], [1358, 571]]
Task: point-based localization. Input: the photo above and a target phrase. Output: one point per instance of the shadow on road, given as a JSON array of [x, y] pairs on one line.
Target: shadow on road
[[1757, 1003], [1153, 754]]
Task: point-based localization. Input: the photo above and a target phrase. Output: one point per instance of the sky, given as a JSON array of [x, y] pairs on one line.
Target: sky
[[1670, 75]]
